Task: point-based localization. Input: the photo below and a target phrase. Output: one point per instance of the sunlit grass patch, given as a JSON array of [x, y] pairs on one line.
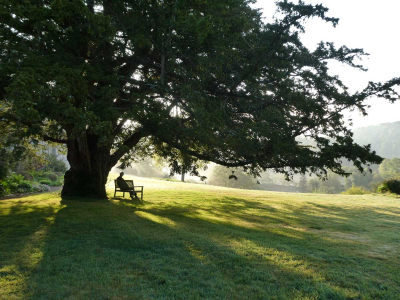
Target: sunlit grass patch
[[191, 241]]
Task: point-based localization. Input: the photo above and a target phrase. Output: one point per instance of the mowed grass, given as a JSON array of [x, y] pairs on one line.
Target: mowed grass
[[187, 241]]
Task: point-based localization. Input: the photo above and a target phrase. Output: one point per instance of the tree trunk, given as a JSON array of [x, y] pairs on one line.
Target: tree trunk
[[183, 175], [90, 166]]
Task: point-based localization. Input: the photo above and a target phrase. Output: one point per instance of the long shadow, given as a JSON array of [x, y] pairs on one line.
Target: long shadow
[[102, 250], [120, 249], [23, 231], [346, 237]]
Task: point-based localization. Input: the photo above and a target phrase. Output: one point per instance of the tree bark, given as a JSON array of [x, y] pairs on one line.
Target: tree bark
[[183, 175], [90, 166]]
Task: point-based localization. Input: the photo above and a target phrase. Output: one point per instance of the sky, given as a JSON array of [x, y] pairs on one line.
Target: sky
[[368, 24]]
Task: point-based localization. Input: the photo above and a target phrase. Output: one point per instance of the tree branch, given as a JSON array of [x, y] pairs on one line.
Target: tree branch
[[47, 138], [132, 141]]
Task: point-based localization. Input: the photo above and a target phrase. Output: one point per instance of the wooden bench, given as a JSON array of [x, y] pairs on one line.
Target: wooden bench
[[132, 188]]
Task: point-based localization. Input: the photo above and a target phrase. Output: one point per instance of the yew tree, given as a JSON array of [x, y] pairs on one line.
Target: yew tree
[[183, 79]]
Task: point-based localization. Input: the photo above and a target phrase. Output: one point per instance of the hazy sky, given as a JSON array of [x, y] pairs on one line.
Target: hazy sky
[[371, 25]]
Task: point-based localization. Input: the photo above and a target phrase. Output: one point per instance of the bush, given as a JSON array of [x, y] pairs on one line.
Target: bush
[[14, 183], [58, 182], [355, 190], [24, 187], [26, 175], [60, 174], [40, 188], [15, 178], [4, 189], [45, 181], [390, 186], [55, 164], [50, 175]]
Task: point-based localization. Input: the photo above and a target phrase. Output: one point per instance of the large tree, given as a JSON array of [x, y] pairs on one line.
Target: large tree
[[115, 80]]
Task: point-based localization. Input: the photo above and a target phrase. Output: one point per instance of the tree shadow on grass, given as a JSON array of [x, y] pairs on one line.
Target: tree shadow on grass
[[103, 250], [23, 232]]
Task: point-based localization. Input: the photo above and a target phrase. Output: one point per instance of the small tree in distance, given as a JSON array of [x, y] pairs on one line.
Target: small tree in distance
[[104, 78]]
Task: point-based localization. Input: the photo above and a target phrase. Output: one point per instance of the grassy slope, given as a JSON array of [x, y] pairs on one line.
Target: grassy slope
[[188, 241]]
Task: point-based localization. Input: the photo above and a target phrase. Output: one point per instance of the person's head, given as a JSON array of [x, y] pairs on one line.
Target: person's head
[[121, 174]]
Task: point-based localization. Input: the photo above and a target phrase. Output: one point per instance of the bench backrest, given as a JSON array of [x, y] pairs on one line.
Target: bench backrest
[[128, 182]]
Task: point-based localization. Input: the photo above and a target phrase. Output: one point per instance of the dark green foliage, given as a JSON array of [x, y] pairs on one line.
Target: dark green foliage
[[5, 166], [17, 150], [60, 174], [4, 189], [15, 178], [13, 152], [45, 181], [390, 186], [25, 186], [55, 164], [15, 183], [50, 175], [201, 80], [26, 175], [58, 182]]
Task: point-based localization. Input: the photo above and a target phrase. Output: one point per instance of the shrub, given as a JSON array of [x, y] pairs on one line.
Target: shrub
[[355, 190], [57, 182], [40, 188], [56, 164], [60, 174], [50, 175], [45, 181], [26, 175], [24, 187], [4, 189], [11, 183], [390, 186], [15, 178]]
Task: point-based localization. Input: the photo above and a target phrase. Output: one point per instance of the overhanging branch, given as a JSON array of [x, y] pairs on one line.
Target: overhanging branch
[[132, 141], [47, 138]]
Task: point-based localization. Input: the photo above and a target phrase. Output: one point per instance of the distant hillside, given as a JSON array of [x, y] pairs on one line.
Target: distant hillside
[[384, 138]]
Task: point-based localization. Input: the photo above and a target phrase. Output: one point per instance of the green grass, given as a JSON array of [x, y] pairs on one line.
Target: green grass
[[190, 241]]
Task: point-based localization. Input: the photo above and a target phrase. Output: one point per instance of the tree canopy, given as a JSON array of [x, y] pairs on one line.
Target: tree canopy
[[116, 80]]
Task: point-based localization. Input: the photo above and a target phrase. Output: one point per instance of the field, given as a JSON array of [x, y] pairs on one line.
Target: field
[[188, 241]]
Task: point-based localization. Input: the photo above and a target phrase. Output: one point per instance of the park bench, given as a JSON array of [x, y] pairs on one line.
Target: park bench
[[132, 188]]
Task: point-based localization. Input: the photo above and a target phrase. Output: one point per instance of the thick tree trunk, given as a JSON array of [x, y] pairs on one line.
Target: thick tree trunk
[[90, 166]]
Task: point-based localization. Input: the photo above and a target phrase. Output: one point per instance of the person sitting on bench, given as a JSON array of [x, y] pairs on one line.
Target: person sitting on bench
[[124, 186]]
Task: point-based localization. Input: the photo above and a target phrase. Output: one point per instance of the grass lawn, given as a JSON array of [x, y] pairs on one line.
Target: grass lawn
[[188, 241]]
